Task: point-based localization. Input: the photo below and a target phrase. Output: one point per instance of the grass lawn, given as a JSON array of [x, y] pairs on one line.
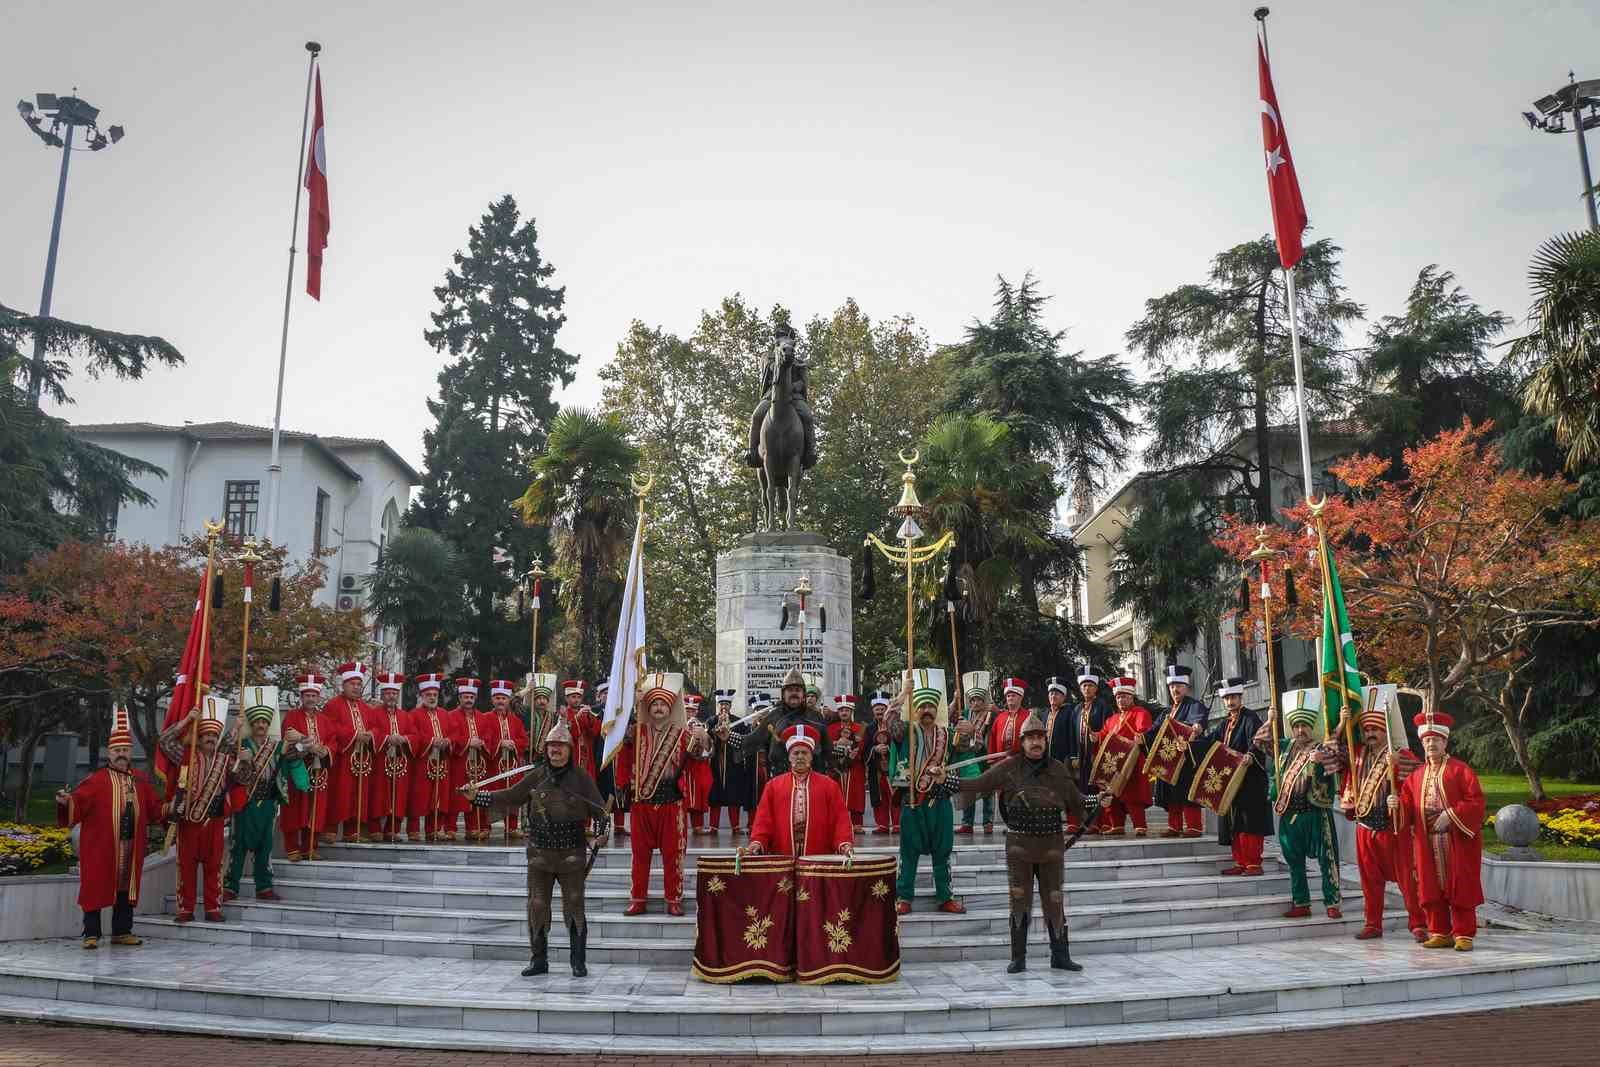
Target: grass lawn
[[1502, 789]]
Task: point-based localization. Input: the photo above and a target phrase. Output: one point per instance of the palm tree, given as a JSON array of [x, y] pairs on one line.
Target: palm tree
[[1563, 349], [580, 490], [419, 589]]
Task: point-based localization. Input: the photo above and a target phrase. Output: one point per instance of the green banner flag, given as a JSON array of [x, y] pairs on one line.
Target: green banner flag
[[1341, 682]]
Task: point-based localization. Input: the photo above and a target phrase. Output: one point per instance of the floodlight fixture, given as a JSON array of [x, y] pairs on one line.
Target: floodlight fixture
[[1581, 100]]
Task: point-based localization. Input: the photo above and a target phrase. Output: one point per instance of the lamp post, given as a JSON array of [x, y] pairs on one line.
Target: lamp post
[[65, 115], [1582, 100]]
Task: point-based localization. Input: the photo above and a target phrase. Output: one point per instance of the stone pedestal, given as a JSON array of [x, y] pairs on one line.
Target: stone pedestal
[[752, 652]]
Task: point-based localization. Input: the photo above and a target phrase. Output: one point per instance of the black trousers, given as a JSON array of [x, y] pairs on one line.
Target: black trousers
[[121, 919]]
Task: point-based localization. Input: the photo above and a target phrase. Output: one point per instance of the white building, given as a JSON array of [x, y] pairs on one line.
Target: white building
[[345, 494], [1220, 653]]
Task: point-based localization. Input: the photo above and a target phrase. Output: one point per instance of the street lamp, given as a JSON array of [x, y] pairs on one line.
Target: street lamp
[[1582, 100], [54, 119]]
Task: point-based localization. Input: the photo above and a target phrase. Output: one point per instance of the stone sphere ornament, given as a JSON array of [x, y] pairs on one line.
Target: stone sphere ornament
[[1517, 826]]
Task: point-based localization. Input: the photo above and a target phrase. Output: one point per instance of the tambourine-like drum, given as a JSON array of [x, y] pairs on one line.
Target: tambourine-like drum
[[1168, 756], [1116, 758], [845, 925], [1218, 775], [744, 925]]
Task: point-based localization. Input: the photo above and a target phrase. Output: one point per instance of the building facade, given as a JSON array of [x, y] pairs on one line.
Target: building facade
[[1221, 652], [343, 497]]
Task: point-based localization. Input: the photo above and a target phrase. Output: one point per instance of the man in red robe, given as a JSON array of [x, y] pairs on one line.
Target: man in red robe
[[1006, 733], [663, 747], [473, 765], [1383, 842], [207, 800], [801, 813], [1445, 803], [354, 765], [848, 740], [314, 736], [439, 743], [1130, 721], [398, 746], [113, 808], [885, 801], [697, 779], [584, 724], [506, 739]]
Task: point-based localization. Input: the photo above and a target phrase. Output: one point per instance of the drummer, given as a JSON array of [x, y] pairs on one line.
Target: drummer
[[1128, 721], [800, 806], [1249, 819]]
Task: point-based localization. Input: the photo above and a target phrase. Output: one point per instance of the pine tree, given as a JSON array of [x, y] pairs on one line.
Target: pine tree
[[497, 320]]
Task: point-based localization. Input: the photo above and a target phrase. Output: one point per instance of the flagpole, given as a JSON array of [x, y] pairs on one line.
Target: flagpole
[[274, 469], [1299, 381]]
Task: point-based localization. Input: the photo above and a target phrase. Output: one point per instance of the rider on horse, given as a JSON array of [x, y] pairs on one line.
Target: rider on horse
[[785, 336]]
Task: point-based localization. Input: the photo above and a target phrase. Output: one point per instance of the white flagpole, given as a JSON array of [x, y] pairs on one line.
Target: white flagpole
[[274, 469], [1299, 382]]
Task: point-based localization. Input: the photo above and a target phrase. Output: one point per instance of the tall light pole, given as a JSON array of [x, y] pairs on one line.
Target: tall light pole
[[1582, 100], [65, 115]]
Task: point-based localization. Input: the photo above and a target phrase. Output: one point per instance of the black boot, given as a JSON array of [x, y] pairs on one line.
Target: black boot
[[1019, 944], [578, 940], [1060, 958], [539, 957]]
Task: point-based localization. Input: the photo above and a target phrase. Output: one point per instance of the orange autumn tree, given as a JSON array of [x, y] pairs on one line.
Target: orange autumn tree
[[1451, 573]]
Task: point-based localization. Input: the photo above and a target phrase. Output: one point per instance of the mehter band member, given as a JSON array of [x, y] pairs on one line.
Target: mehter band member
[[1447, 804]]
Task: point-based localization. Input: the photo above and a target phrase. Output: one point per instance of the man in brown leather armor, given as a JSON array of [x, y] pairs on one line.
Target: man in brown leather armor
[[560, 798], [1035, 792]]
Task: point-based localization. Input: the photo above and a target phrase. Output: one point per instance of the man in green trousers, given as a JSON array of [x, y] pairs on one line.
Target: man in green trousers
[[1303, 794], [267, 765], [920, 748]]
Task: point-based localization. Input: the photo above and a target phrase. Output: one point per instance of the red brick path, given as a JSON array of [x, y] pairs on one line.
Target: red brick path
[[1547, 1037]]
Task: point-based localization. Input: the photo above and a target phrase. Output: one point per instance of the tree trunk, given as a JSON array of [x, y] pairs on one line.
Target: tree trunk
[[1512, 719], [25, 751]]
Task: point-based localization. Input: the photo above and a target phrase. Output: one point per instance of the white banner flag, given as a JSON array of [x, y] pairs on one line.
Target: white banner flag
[[627, 655]]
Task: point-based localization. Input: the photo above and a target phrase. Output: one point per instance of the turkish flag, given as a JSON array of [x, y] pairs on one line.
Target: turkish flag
[[1283, 185], [317, 184], [194, 670]]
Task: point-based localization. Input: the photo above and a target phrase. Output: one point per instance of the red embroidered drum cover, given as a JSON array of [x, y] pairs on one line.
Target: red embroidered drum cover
[[845, 925], [1165, 760], [1116, 757], [744, 925], [1217, 778]]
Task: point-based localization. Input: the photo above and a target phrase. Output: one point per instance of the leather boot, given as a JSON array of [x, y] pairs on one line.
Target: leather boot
[[539, 959], [1060, 957], [1019, 944], [578, 939]]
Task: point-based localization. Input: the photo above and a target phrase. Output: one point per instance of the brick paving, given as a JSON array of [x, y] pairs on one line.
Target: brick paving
[[1554, 1036]]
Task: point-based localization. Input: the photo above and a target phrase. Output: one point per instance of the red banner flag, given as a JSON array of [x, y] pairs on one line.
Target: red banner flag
[[193, 670], [317, 221], [1283, 184]]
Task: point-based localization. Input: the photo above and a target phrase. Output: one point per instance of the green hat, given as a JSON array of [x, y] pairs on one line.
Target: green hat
[[925, 695], [1301, 717]]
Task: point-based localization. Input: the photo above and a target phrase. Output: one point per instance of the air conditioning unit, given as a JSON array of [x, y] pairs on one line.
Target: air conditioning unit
[[347, 603], [348, 583]]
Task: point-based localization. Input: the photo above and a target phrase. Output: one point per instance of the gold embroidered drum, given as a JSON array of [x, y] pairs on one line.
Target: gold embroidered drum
[[1218, 777], [1168, 750], [744, 922], [845, 925]]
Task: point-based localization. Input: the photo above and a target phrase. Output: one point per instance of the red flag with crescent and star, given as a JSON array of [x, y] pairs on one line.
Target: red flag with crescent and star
[[317, 185], [1283, 184]]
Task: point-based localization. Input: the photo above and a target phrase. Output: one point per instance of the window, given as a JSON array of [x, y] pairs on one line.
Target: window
[[319, 523], [1246, 651], [1147, 669], [240, 502]]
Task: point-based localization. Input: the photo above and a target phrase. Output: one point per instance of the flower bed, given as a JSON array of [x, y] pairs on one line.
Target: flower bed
[[1572, 821], [25, 849]]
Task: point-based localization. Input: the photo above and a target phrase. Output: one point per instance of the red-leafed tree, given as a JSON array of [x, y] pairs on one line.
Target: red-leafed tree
[[1451, 573]]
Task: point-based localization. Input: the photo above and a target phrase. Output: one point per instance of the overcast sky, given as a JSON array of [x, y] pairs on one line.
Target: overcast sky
[[899, 153]]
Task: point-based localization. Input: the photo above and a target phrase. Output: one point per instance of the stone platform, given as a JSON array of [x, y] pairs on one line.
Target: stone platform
[[419, 946]]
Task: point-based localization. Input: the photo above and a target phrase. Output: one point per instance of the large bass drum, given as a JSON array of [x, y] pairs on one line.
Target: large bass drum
[[744, 921], [845, 925]]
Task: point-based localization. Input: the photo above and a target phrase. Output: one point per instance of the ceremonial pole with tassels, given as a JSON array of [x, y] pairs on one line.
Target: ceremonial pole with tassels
[[955, 650], [1263, 555], [249, 558], [910, 509], [208, 605]]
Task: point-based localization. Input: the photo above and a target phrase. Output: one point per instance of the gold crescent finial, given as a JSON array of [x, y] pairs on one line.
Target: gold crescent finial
[[213, 528], [642, 488], [1317, 506], [915, 456]]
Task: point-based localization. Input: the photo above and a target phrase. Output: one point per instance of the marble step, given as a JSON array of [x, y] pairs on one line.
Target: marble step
[[933, 1008], [978, 849], [965, 875], [990, 919], [614, 897], [643, 948]]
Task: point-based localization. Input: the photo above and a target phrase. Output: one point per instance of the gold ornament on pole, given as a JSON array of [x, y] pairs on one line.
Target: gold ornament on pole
[[909, 553], [213, 533], [1263, 555]]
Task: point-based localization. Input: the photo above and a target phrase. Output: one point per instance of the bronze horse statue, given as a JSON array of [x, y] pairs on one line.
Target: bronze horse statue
[[782, 444]]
